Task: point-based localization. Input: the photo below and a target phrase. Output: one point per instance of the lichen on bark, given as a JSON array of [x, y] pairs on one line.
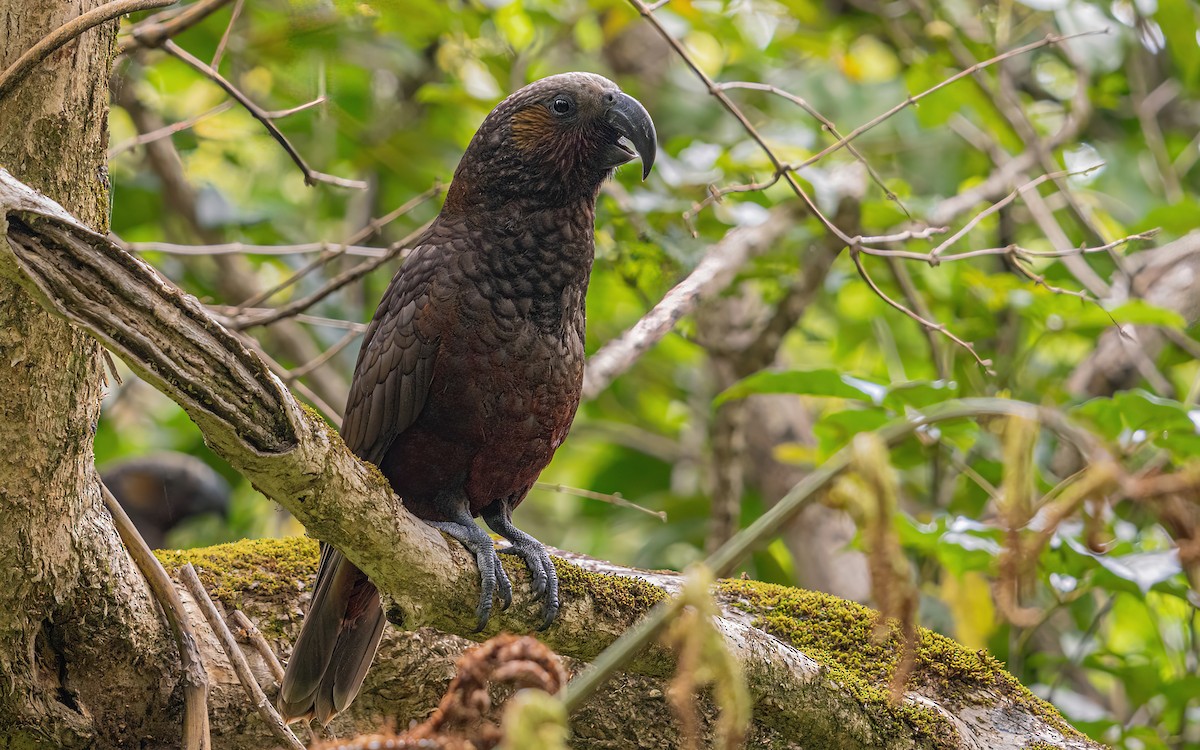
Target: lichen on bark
[[71, 604]]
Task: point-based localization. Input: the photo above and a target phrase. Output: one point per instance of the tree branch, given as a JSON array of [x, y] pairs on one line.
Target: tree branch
[[297, 460], [68, 31], [713, 273]]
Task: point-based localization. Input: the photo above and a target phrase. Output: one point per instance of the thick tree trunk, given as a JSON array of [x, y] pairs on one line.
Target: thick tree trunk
[[82, 649]]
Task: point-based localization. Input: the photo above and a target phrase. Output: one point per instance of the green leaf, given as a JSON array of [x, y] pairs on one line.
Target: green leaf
[[825, 382]]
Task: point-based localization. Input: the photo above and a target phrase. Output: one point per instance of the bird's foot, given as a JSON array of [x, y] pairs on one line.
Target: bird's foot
[[545, 575], [541, 567], [492, 578]]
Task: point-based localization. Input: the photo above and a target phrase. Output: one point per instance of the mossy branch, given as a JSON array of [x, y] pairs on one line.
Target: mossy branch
[[296, 459]]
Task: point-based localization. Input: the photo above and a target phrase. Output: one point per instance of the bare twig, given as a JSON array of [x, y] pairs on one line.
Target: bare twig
[[24, 64], [311, 176], [974, 222], [369, 230], [856, 256], [615, 498], [188, 574], [260, 644], [1013, 250], [844, 141], [152, 32], [648, 13], [233, 17], [193, 678], [912, 296], [241, 248], [398, 249], [324, 357], [713, 273], [1049, 40], [1041, 212], [828, 126], [169, 130]]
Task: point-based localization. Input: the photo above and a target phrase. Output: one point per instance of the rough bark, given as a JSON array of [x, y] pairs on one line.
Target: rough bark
[[72, 607], [296, 459], [269, 580]]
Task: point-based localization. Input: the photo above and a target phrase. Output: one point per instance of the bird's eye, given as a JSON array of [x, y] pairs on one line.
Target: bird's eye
[[562, 106]]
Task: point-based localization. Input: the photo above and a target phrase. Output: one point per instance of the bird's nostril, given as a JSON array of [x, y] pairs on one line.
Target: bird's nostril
[[610, 97]]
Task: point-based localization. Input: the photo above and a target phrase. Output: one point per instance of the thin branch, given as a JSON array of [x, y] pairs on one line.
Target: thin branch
[[153, 32], [193, 678], [1042, 214], [856, 256], [844, 141], [974, 222], [914, 299], [169, 130], [648, 13], [614, 498], [372, 228], [25, 64], [225, 312], [242, 248], [311, 176], [236, 658], [256, 639], [828, 126], [1013, 250], [1049, 40], [331, 352], [233, 17], [398, 249], [713, 273], [279, 114]]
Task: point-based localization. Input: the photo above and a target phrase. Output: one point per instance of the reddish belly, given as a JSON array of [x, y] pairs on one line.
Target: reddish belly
[[485, 431]]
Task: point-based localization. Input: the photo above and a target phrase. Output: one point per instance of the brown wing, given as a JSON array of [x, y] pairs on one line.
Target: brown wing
[[391, 380], [395, 364]]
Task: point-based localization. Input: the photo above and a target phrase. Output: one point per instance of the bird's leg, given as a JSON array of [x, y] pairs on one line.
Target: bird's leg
[[492, 578], [541, 567]]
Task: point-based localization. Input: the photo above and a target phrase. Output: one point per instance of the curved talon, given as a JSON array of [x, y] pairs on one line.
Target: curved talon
[[544, 575], [503, 584], [552, 603], [492, 577], [535, 569]]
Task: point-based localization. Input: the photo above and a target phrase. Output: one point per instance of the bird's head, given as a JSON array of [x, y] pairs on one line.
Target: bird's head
[[553, 142]]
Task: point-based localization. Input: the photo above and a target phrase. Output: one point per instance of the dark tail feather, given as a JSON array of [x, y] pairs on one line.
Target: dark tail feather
[[336, 643]]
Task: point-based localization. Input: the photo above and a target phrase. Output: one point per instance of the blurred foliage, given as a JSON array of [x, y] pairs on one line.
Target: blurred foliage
[[403, 87]]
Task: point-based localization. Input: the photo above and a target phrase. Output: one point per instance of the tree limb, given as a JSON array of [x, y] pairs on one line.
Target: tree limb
[[24, 64], [296, 459]]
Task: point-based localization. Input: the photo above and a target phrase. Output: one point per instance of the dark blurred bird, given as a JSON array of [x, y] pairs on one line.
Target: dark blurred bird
[[470, 373], [161, 490]]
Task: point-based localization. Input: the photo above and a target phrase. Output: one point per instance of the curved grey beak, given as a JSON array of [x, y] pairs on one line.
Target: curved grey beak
[[632, 123]]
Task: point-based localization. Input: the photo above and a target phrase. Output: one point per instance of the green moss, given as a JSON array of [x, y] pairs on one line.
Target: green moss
[[263, 568], [622, 597], [840, 635]]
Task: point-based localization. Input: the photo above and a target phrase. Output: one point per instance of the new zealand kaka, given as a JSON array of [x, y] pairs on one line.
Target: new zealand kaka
[[161, 490], [470, 372]]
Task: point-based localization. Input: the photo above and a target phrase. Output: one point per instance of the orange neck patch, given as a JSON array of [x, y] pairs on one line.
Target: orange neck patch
[[532, 127]]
